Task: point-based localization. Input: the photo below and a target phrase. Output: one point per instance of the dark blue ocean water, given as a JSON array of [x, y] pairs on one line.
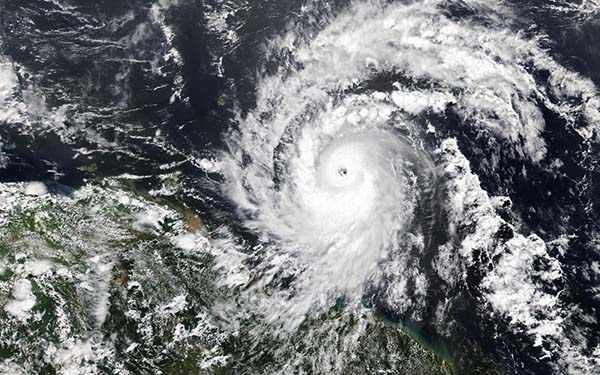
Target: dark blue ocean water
[[130, 111]]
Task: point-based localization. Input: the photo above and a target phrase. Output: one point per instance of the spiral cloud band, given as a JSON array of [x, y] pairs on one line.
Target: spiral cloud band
[[332, 170]]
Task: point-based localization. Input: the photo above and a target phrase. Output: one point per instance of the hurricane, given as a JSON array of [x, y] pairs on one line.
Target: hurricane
[[300, 187], [338, 172], [341, 204]]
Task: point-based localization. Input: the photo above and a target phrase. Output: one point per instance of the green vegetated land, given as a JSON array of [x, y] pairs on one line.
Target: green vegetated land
[[93, 281]]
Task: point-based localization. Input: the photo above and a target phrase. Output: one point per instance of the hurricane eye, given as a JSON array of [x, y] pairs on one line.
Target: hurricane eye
[[343, 172]]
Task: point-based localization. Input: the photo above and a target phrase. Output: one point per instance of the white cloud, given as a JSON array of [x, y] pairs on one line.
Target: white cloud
[[36, 188], [23, 300]]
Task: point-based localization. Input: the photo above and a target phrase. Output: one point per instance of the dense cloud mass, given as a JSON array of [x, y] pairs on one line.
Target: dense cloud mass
[[393, 70], [359, 167]]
